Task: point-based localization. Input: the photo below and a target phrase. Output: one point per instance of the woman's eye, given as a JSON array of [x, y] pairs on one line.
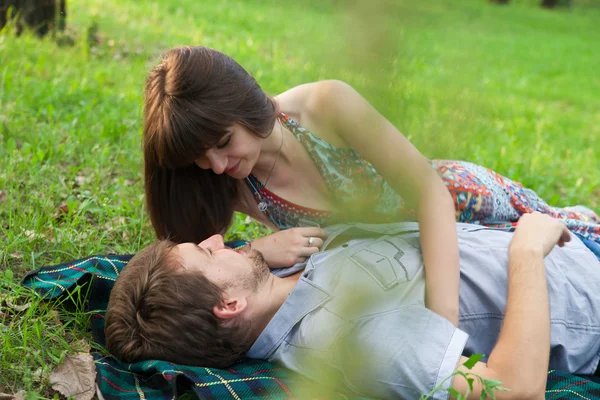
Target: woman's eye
[[225, 143]]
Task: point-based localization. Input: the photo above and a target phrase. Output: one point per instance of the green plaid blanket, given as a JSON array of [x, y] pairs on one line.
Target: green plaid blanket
[[251, 379]]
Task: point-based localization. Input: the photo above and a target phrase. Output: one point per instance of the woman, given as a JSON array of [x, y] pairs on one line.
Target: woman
[[319, 153]]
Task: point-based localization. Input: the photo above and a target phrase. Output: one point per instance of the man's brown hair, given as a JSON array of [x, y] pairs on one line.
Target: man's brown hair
[[192, 96], [158, 310]]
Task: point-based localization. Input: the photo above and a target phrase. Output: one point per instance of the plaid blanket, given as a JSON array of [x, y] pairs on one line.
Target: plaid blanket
[[94, 277]]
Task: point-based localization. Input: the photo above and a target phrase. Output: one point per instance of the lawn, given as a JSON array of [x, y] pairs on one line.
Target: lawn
[[514, 88]]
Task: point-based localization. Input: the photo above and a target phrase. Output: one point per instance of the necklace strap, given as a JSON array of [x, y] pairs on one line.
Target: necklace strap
[[277, 157]]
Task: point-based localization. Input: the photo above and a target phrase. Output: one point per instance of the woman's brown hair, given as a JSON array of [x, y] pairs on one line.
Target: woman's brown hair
[[192, 96]]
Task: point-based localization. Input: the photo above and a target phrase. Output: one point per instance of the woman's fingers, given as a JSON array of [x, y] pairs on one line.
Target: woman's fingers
[[313, 231], [309, 251], [313, 241]]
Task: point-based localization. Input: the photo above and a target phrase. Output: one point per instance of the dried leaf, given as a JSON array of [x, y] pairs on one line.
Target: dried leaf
[[80, 180], [14, 303], [32, 235], [20, 395], [62, 209], [36, 376], [76, 376], [2, 196]]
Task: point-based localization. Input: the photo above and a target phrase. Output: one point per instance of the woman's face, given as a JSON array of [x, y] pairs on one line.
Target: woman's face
[[235, 155]]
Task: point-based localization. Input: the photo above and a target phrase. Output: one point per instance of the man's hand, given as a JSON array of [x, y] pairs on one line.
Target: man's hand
[[539, 232]]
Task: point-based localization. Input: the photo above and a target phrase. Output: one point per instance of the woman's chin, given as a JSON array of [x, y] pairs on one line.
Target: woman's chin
[[240, 173], [237, 175]]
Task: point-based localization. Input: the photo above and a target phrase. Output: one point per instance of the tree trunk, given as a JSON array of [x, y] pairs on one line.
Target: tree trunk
[[555, 3], [41, 16]]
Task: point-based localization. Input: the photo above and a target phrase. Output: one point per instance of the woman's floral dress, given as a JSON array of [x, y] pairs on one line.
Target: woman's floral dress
[[360, 193]]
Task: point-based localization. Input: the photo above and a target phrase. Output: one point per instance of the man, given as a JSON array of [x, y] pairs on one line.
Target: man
[[356, 313]]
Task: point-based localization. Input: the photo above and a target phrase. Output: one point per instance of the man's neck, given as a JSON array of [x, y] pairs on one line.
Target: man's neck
[[272, 296]]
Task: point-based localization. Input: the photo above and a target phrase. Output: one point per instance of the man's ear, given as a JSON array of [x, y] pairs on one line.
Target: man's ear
[[230, 308]]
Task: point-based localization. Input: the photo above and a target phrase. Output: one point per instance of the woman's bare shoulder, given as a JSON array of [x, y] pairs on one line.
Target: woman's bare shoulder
[[294, 100], [312, 105], [314, 95]]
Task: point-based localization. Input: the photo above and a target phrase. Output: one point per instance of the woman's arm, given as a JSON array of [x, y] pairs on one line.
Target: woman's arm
[[334, 105]]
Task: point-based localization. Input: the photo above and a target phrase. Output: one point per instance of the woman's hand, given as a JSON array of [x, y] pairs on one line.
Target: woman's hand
[[288, 247]]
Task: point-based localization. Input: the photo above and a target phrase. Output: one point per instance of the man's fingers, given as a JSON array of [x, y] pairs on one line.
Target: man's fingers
[[541, 231], [566, 235]]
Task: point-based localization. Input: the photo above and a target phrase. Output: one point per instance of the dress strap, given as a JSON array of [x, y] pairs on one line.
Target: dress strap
[[254, 184]]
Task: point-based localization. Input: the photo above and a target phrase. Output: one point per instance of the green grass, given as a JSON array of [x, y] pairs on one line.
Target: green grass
[[35, 335], [513, 88]]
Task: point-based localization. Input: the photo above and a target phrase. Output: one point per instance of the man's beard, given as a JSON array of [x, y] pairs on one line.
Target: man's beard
[[260, 270]]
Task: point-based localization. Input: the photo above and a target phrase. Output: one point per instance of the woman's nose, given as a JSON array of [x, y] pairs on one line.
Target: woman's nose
[[212, 160], [218, 163]]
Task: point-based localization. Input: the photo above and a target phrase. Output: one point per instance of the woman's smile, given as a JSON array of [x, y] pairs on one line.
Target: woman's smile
[[233, 169]]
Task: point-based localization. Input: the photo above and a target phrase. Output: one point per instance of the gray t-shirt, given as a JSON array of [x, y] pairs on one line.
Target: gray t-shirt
[[357, 315]]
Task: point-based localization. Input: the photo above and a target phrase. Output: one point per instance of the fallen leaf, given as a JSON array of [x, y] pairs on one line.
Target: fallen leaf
[[32, 235], [14, 303], [36, 376], [20, 395], [80, 180], [62, 209], [76, 377], [2, 196]]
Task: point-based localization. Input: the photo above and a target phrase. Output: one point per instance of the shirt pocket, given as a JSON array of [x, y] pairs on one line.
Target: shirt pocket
[[389, 261]]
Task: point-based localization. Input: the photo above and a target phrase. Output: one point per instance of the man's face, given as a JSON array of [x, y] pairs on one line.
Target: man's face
[[223, 266]]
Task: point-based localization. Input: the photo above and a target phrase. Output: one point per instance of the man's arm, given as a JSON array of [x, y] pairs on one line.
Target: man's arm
[[520, 357]]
